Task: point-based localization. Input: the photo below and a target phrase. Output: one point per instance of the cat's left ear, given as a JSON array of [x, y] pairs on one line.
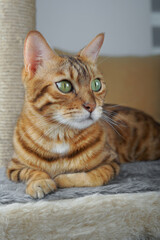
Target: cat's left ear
[[91, 51]]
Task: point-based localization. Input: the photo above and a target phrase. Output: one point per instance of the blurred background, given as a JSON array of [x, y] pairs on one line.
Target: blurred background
[[132, 27]]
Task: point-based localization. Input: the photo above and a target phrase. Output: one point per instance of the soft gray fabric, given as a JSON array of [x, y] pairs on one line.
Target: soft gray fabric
[[133, 177]]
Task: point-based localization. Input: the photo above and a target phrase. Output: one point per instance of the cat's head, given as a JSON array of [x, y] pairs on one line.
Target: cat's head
[[69, 90]]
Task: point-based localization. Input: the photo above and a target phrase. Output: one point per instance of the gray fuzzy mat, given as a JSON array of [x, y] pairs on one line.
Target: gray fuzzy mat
[[133, 178]]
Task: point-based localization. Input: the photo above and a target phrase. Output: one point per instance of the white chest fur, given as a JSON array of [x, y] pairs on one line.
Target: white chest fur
[[60, 148]]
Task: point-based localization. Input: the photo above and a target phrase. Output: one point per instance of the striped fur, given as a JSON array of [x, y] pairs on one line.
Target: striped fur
[[57, 144]]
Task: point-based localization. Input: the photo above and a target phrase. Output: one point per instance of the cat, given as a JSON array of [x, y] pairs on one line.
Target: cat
[[66, 136]]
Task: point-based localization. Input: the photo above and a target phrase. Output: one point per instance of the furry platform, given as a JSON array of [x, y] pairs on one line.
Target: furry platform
[[126, 209], [97, 217]]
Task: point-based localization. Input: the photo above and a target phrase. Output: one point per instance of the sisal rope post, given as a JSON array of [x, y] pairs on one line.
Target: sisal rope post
[[17, 18]]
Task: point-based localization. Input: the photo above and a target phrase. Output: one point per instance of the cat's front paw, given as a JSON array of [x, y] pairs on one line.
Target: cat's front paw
[[65, 180], [40, 188]]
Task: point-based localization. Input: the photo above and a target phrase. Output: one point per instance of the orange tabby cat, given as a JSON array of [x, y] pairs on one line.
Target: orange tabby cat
[[66, 136]]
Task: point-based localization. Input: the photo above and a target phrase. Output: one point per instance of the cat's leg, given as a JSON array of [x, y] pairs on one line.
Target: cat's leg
[[97, 177], [39, 183]]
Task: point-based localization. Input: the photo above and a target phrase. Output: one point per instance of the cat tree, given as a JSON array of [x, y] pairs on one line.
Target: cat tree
[[17, 17], [114, 216]]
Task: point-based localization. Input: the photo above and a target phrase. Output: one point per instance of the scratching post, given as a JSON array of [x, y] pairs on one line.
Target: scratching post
[[17, 18]]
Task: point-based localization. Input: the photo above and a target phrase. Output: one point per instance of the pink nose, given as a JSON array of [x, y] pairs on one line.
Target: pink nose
[[89, 106]]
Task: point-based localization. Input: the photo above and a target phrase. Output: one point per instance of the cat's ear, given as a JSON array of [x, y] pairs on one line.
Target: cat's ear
[[36, 50], [91, 51]]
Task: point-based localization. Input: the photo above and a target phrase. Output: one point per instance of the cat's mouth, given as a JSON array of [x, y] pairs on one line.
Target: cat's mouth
[[79, 121], [90, 117]]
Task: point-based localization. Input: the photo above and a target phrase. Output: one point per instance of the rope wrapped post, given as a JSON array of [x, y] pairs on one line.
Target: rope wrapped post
[[17, 18]]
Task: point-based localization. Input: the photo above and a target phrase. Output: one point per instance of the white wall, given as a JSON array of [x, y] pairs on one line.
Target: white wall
[[71, 24]]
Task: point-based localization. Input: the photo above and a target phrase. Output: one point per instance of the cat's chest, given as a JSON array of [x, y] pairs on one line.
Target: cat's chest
[[60, 147], [62, 142]]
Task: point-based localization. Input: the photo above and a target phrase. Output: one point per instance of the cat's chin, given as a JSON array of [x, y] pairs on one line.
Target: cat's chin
[[81, 124], [76, 123]]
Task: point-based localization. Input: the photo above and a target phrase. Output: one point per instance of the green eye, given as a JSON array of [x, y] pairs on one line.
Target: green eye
[[96, 85], [64, 86]]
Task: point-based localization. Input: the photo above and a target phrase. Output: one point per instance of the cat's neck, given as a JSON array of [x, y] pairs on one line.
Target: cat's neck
[[55, 139], [49, 127]]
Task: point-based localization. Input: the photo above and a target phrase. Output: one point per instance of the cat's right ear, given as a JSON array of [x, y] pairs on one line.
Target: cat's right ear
[[36, 50]]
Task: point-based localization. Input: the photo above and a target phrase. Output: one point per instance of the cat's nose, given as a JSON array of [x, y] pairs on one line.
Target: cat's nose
[[89, 106]]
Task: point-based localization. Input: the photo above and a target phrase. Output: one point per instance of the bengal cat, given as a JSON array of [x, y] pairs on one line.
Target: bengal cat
[[66, 136]]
